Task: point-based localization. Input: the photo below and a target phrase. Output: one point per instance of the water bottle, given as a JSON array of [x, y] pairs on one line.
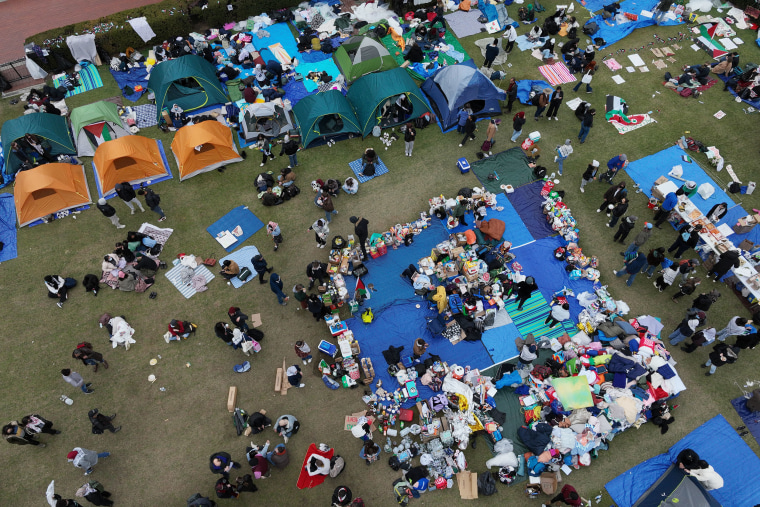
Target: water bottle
[[162, 389], [67, 400]]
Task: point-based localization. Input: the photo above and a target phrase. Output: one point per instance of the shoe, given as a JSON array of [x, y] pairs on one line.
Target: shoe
[[582, 191], [649, 277], [615, 272], [285, 439], [118, 428], [59, 304], [96, 367], [133, 212], [112, 416], [162, 219], [89, 391], [284, 303], [269, 270], [703, 366], [588, 92], [142, 210], [684, 349], [290, 167], [56, 432], [321, 246], [261, 164], [105, 363], [88, 384], [708, 374], [608, 225], [598, 211], [556, 158], [88, 472], [609, 214], [309, 360], [262, 281], [120, 226], [739, 428], [743, 433], [304, 361], [301, 385], [460, 145], [622, 254]]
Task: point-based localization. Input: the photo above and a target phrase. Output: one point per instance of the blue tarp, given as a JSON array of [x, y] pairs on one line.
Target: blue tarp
[[323, 65], [646, 170], [500, 342], [279, 32], [240, 216], [527, 202], [524, 87], [753, 103], [750, 419], [516, 232], [8, 227], [135, 76], [614, 33], [717, 443]]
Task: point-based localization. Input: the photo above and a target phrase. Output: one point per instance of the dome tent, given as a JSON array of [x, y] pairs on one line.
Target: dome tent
[[203, 147], [47, 189], [133, 159], [324, 116], [268, 118], [95, 124], [361, 55], [452, 87]]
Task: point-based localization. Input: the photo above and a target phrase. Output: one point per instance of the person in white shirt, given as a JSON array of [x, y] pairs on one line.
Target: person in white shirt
[[510, 35]]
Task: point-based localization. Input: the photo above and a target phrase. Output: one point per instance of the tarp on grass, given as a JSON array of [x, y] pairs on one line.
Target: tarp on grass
[[525, 86], [616, 32], [7, 228], [716, 442], [511, 166], [528, 203]]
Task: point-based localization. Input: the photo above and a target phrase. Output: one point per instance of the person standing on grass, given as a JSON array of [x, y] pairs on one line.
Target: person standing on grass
[[221, 463], [563, 152], [324, 201], [655, 257], [152, 200], [612, 196], [409, 135], [626, 226], [127, 194], [109, 212], [722, 354], [261, 267], [361, 231], [735, 327], [510, 36], [590, 174], [511, 93], [688, 237], [85, 458], [541, 100], [300, 294], [321, 231], [614, 165], [618, 211], [469, 130], [316, 271], [517, 125], [641, 238], [493, 126], [687, 327], [290, 148], [265, 147], [586, 124], [554, 102], [668, 204], [276, 284], [303, 351], [492, 51], [273, 230], [76, 380], [634, 263], [686, 288]]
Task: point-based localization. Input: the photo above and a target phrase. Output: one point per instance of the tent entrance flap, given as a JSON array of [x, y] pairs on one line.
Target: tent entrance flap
[[42, 193], [330, 124], [124, 163]]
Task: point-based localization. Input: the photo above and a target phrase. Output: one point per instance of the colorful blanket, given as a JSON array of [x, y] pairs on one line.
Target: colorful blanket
[[625, 124], [556, 73], [89, 79]]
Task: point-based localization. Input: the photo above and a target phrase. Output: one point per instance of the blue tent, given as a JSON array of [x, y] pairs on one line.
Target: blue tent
[[452, 87]]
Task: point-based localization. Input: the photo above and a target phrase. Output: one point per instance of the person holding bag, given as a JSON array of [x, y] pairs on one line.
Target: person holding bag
[[588, 74]]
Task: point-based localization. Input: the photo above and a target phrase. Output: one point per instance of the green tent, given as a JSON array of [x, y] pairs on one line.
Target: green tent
[[324, 116], [377, 99], [94, 124], [50, 127], [188, 81], [360, 55]]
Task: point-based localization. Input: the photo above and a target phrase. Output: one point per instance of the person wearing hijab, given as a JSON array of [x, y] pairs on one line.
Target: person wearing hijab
[[517, 125], [717, 212]]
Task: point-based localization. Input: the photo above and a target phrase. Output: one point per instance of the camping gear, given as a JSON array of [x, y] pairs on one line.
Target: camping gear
[[361, 55], [134, 159], [95, 124], [217, 148], [325, 116], [50, 127], [268, 118], [48, 189], [463, 165]]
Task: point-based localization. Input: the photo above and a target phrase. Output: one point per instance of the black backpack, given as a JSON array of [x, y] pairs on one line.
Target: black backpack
[[539, 172], [590, 28], [486, 484], [465, 192]]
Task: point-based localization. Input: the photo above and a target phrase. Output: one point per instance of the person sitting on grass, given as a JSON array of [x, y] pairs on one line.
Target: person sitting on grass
[[369, 159], [350, 186], [179, 329]]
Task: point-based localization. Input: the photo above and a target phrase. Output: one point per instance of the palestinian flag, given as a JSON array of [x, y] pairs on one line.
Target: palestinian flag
[[98, 133], [360, 291]]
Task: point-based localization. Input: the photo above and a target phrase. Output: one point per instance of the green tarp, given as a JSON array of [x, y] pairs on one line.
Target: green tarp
[[511, 167]]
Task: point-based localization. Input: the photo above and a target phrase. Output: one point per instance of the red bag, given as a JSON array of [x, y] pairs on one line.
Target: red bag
[[406, 415], [486, 146]]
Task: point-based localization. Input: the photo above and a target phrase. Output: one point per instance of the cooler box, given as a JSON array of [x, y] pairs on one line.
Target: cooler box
[[463, 165], [535, 136], [327, 348]]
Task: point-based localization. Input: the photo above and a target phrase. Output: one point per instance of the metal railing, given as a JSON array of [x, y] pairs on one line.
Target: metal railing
[[14, 71]]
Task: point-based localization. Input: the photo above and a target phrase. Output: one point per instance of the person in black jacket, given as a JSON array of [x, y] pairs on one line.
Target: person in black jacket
[[688, 237], [290, 148], [127, 194], [586, 124], [223, 332], [238, 318], [221, 463], [360, 229], [511, 93], [492, 51], [626, 226], [618, 211], [524, 290], [726, 261], [316, 271], [153, 200], [261, 267], [705, 300], [109, 212]]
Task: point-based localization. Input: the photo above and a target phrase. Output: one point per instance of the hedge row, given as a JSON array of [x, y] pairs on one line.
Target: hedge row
[[168, 19]]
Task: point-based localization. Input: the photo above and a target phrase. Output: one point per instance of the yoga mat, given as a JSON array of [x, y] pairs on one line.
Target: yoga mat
[[556, 73], [533, 314], [528, 202], [8, 227], [240, 216], [356, 167], [89, 79], [243, 259]]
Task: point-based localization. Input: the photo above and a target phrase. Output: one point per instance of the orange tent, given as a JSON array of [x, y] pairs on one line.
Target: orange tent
[[203, 147], [47, 189], [133, 159]]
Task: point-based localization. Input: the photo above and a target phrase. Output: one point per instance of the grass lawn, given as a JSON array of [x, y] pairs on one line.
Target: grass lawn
[[161, 455]]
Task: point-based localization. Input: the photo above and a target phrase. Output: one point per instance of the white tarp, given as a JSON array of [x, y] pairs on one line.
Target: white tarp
[[83, 47], [143, 29]]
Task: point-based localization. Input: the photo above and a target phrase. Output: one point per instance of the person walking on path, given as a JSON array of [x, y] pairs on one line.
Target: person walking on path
[[261, 267], [127, 194], [276, 285], [361, 231], [85, 458], [640, 239], [563, 152], [15, 433], [590, 174], [670, 202], [273, 230], [153, 200], [586, 125], [321, 231], [409, 135], [303, 351], [735, 327], [517, 125], [614, 165], [654, 259], [634, 263], [541, 100], [493, 126], [109, 212], [626, 226], [510, 36], [492, 51], [554, 102], [618, 211], [76, 380]]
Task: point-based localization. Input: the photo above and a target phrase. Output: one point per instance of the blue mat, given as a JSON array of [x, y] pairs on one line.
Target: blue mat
[[530, 320], [646, 170], [594, 5], [614, 33], [537, 260], [523, 44], [356, 167], [527, 202], [750, 419], [320, 66], [399, 325], [716, 442], [166, 176], [8, 227], [524, 87], [753, 103], [241, 216], [243, 259], [279, 32], [314, 56], [516, 232], [500, 342], [135, 76]]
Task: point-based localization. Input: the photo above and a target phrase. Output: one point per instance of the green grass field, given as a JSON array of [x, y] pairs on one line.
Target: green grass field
[[161, 455]]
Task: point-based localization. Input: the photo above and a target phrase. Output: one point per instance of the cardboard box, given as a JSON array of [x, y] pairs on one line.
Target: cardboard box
[[660, 180], [467, 482], [232, 399], [455, 252]]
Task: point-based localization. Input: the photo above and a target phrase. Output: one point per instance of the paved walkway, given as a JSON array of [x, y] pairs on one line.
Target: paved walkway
[[20, 19]]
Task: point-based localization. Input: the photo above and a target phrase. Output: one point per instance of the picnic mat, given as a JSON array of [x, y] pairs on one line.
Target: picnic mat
[[146, 115], [309, 481], [89, 79], [239, 217], [8, 227], [278, 33], [163, 177], [135, 76], [464, 24], [500, 341], [456, 55], [187, 289], [523, 44], [324, 65], [613, 64], [243, 259], [161, 235], [356, 167], [701, 88], [532, 316], [511, 166], [627, 123], [556, 73], [750, 419]]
